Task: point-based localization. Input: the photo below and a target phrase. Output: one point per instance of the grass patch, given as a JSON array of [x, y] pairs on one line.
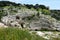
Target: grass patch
[[17, 34]]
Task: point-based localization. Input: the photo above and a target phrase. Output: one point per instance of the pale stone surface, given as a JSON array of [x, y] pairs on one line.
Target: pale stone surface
[[2, 25], [48, 35], [35, 22]]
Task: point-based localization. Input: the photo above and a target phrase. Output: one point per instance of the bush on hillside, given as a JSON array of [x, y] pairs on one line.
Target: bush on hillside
[[46, 12]]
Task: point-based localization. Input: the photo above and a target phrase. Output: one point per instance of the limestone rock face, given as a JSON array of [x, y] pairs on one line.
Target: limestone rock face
[[32, 21], [2, 25], [11, 21], [7, 19], [43, 22], [57, 25]]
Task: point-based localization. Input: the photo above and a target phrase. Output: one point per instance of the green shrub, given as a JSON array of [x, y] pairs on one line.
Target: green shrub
[[1, 14], [46, 12]]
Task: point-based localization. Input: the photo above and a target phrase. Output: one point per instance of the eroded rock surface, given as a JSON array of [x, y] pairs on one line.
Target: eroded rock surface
[[32, 21]]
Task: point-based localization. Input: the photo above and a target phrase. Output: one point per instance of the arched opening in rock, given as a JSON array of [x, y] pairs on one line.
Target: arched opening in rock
[[17, 17], [36, 29], [22, 25], [15, 25]]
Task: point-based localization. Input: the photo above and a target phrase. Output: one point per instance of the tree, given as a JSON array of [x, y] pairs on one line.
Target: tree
[[7, 3], [29, 6], [43, 7]]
